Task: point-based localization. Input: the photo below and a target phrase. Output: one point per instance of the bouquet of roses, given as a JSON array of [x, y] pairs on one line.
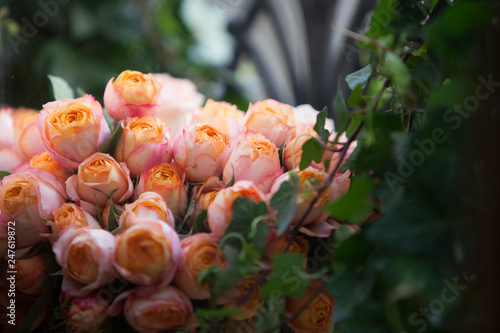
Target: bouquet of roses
[[170, 214]]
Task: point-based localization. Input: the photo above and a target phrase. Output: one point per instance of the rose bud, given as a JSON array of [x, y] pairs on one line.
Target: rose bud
[[70, 214], [100, 177], [254, 158], [86, 314], [203, 196], [9, 158], [221, 115], [152, 310], [28, 199], [132, 94], [73, 129], [270, 118], [148, 253], [254, 302], [198, 150], [316, 317], [27, 137], [30, 274], [166, 179], [106, 211], [200, 252], [43, 161], [178, 97], [220, 211], [276, 245], [149, 205], [143, 144], [86, 258]]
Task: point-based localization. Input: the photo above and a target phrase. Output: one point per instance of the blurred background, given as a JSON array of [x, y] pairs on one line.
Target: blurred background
[[235, 50]]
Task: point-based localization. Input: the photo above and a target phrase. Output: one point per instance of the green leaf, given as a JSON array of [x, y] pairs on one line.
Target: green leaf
[[4, 174], [289, 277], [61, 88], [113, 216], [355, 96], [199, 222], [359, 77], [319, 127], [312, 150], [356, 204], [285, 203], [341, 112], [108, 118], [218, 314], [110, 144], [273, 311]]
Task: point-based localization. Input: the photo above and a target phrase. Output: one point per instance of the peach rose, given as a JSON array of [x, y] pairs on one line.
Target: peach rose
[[293, 150], [27, 137], [252, 305], [70, 214], [198, 150], [200, 252], [143, 144], [132, 94], [28, 199], [178, 98], [310, 180], [276, 245], [222, 115], [100, 177], [149, 205], [220, 211], [317, 316], [254, 158], [270, 118], [85, 314], [148, 253], [166, 179], [43, 161], [152, 310], [30, 274], [73, 129], [86, 258]]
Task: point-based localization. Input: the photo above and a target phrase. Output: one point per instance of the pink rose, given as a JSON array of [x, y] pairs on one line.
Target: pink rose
[[27, 137], [132, 94], [28, 199], [73, 129], [254, 158], [99, 177], [43, 161], [167, 180], [30, 274], [85, 314], [154, 310], [9, 158], [270, 118], [178, 98], [148, 253], [149, 205], [143, 144], [198, 150], [220, 211], [200, 252], [86, 258]]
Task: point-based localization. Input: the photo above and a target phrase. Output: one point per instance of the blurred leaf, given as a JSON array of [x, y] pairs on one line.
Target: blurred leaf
[[200, 224], [110, 144], [287, 277], [360, 77], [4, 174], [396, 69], [341, 112], [355, 96], [356, 204], [61, 88]]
